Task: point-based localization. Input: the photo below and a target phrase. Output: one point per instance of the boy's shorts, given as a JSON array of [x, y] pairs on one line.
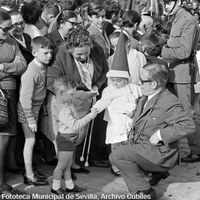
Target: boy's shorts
[[67, 141]]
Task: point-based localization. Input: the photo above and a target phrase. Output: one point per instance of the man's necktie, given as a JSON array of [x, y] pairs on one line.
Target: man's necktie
[[143, 101]]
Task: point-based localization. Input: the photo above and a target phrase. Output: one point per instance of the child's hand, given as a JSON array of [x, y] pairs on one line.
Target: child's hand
[[33, 127], [94, 112]]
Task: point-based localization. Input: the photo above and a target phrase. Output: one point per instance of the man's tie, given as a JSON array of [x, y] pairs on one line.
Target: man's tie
[[143, 102]]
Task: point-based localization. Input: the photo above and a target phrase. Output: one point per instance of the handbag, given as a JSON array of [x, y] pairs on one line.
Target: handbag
[[3, 109]]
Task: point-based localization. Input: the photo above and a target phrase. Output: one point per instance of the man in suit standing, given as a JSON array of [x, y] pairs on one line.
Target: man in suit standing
[[178, 52], [158, 125]]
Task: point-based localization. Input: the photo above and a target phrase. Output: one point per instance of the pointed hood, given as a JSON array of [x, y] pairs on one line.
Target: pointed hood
[[120, 63]]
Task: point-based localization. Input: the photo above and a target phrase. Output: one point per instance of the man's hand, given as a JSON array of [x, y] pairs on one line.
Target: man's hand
[[154, 139]]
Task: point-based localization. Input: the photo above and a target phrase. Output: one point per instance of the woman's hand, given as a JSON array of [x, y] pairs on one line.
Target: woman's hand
[[33, 127]]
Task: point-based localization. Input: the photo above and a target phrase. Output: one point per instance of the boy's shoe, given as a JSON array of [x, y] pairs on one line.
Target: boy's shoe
[[75, 189], [36, 181], [60, 191]]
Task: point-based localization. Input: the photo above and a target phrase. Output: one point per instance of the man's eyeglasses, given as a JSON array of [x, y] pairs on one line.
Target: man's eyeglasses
[[22, 23], [145, 81], [5, 30], [73, 23]]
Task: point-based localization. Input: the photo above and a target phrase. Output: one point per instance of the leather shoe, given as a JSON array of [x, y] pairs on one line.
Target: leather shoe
[[75, 189], [60, 191], [80, 170], [35, 181], [191, 158], [39, 174], [157, 176], [101, 163], [7, 189], [146, 194]]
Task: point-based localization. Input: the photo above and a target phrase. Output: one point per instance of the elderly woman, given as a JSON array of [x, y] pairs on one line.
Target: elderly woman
[[12, 64], [84, 62]]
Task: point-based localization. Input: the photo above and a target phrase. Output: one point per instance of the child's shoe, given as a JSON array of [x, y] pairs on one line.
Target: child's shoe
[[60, 191], [35, 181], [75, 189]]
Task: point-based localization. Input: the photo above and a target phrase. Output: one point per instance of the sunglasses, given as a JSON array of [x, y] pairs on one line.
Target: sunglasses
[[5, 30]]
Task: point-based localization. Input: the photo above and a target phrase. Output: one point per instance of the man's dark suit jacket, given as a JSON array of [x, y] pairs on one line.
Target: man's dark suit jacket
[[162, 112]]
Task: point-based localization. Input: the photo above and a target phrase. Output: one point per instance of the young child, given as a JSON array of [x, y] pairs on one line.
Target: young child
[[32, 95], [120, 99], [68, 125]]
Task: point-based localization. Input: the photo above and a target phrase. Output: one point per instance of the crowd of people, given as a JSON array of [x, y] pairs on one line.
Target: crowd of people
[[66, 63]]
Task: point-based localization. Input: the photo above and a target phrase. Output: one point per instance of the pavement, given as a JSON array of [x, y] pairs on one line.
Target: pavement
[[182, 184]]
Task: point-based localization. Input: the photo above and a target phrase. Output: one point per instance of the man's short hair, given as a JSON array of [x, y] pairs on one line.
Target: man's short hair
[[157, 72], [40, 42]]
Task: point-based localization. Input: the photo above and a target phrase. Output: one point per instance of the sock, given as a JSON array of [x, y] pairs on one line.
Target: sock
[[56, 184], [28, 152], [69, 184]]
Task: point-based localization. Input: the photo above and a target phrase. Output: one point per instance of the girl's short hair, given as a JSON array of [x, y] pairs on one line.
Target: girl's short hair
[[78, 37], [40, 42], [64, 81], [64, 16]]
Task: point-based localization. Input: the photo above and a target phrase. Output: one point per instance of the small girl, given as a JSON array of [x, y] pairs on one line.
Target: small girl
[[68, 125]]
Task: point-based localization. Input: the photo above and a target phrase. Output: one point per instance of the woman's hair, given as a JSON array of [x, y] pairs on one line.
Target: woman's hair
[[94, 8], [78, 37], [31, 13], [152, 44], [63, 81], [130, 18], [157, 72], [64, 16], [4, 15]]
